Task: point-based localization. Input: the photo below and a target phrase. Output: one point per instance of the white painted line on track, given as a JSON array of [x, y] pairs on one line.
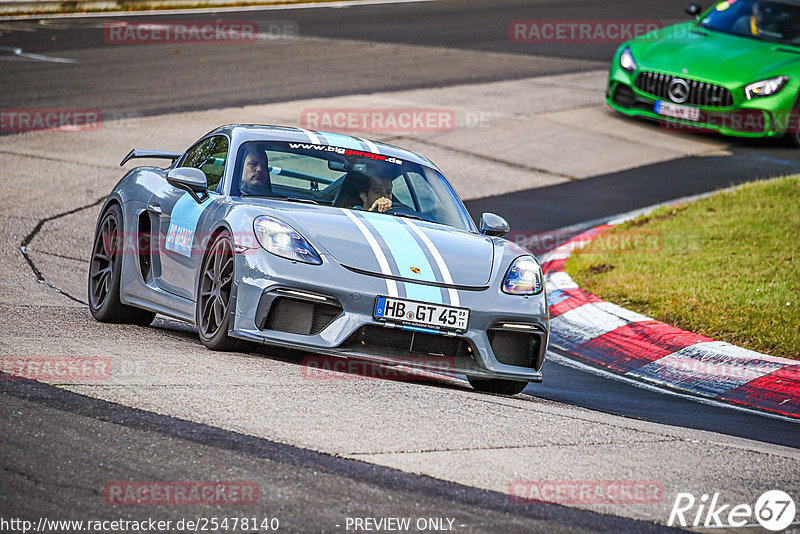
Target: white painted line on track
[[221, 9], [18, 52]]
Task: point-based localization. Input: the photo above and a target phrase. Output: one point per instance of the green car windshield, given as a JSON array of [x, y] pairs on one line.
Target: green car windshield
[[346, 178], [772, 21]]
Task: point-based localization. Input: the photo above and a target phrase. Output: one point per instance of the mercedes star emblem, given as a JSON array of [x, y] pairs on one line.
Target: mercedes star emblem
[[678, 90]]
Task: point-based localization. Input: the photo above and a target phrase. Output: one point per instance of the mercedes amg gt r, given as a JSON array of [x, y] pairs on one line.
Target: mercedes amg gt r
[[734, 70], [320, 242]]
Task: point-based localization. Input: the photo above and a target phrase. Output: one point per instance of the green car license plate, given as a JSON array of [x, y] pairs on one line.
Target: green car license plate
[[676, 111]]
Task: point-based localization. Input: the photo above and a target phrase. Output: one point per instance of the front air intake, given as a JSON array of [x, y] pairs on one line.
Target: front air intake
[[296, 316], [518, 348]]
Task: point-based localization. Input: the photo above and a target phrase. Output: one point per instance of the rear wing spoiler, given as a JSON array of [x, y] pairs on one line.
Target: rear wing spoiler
[[158, 154]]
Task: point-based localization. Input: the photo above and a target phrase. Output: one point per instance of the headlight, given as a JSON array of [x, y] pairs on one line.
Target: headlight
[[765, 87], [279, 238], [524, 277], [626, 60]]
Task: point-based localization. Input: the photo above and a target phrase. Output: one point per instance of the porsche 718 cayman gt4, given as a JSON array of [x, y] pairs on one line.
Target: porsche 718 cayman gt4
[[320, 242]]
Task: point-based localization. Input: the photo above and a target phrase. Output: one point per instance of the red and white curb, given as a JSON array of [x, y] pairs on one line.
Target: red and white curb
[[600, 333]]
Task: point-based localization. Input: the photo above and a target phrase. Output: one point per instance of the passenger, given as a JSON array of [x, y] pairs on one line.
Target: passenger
[[376, 194]]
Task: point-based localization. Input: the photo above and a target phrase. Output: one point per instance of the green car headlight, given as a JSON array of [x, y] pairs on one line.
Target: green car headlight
[[626, 60], [279, 238], [524, 277], [765, 87]]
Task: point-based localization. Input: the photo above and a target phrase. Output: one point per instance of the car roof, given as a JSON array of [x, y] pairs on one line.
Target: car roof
[[240, 133]]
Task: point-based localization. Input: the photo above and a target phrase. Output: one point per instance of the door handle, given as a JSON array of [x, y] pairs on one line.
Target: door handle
[[156, 208]]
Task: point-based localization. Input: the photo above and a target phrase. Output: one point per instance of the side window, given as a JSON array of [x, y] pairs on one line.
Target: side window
[[400, 191], [209, 156]]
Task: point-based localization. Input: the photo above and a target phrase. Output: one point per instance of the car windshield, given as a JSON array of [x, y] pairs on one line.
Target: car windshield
[[757, 19], [346, 178]]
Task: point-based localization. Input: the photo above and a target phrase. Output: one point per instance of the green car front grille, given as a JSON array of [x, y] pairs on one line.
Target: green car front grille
[[699, 93]]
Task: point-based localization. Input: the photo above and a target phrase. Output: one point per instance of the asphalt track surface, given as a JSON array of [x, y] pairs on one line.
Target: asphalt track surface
[[459, 42], [307, 490], [58, 440]]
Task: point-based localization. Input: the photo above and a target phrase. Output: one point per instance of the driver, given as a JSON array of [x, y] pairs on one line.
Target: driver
[[377, 194], [255, 173], [752, 23]]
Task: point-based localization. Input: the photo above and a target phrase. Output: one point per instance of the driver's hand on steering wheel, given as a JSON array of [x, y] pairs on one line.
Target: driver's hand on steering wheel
[[381, 205]]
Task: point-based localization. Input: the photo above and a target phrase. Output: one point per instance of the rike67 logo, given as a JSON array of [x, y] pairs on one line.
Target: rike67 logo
[[774, 510]]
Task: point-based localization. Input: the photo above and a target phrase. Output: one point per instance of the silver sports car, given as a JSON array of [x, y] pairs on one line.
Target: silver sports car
[[325, 243]]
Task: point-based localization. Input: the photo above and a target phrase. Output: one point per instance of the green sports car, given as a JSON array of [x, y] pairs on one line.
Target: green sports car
[[734, 70]]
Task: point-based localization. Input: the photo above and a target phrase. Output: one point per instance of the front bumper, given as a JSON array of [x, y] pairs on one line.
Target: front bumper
[[351, 331], [758, 118]]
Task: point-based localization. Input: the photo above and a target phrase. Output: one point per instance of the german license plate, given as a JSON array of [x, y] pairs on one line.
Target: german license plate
[[677, 111], [424, 314]]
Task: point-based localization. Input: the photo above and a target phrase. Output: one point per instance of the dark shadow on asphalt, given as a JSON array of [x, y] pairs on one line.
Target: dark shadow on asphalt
[[570, 203], [579, 388]]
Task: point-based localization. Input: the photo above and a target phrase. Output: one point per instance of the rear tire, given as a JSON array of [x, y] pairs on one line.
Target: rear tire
[[214, 294], [105, 274], [497, 385]]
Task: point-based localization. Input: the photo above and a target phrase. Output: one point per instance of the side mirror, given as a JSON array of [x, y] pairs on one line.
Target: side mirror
[[494, 225], [693, 9], [189, 179]]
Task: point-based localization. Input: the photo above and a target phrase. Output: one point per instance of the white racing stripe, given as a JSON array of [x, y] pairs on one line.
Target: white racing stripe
[[372, 146], [448, 279], [391, 285], [312, 136]]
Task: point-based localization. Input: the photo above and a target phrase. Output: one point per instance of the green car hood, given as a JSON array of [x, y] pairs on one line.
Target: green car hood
[[714, 56]]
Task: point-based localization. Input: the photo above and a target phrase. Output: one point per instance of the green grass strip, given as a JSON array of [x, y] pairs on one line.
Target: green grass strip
[[727, 266]]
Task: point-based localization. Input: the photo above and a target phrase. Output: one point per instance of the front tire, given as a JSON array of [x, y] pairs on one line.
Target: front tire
[[497, 385], [214, 297], [105, 274]]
